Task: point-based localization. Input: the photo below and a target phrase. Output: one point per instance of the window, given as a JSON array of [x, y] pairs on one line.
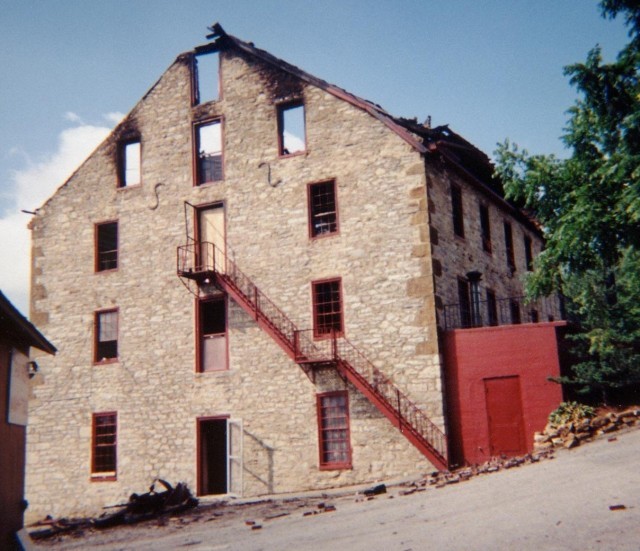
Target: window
[[508, 243], [333, 429], [327, 308], [104, 445], [206, 77], [464, 302], [212, 334], [323, 212], [106, 246], [209, 152], [106, 336], [528, 253], [485, 228], [456, 211], [492, 308], [129, 163], [514, 307], [291, 128]]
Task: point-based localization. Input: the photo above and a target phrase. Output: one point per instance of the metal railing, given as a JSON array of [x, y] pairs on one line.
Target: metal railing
[[205, 260], [505, 311]]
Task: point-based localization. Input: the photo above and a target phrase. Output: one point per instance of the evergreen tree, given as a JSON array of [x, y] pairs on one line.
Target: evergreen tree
[[589, 207]]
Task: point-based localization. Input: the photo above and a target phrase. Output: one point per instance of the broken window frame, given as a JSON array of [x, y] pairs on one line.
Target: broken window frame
[[457, 211], [105, 350], [322, 201], [220, 336], [123, 162], [485, 228], [196, 81], [508, 245], [328, 315], [336, 431], [106, 257], [104, 446], [198, 157], [282, 108]]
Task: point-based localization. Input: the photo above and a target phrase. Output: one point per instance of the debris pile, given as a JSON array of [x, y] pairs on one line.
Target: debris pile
[[569, 435], [145, 506]]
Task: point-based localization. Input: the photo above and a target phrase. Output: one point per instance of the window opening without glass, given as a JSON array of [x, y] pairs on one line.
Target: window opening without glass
[[130, 161], [456, 211], [207, 77], [485, 228], [291, 129], [508, 243]]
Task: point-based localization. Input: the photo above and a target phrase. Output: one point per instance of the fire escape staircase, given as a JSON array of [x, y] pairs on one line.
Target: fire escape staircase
[[207, 264]]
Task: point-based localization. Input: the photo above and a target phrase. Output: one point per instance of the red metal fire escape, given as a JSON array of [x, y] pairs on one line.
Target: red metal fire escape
[[206, 264]]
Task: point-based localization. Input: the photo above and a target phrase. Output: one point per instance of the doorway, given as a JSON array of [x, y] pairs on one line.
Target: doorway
[[505, 417], [219, 456], [211, 236]]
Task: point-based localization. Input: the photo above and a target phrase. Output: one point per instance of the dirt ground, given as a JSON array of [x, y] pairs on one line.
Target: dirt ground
[[584, 498]]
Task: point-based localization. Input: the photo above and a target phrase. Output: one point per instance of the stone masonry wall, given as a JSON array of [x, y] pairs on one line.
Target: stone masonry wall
[[454, 257], [381, 253]]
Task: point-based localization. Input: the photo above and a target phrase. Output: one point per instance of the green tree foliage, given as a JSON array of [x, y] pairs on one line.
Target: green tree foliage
[[589, 207]]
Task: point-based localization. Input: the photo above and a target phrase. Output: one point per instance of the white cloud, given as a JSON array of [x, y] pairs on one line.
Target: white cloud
[[73, 117], [31, 187], [114, 118]]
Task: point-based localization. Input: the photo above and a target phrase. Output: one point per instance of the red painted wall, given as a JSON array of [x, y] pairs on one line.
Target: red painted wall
[[529, 351], [12, 457]]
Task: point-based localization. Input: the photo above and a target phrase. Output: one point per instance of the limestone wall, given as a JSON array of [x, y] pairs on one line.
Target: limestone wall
[[381, 253]]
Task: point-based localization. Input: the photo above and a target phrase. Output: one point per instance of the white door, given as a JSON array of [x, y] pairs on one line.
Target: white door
[[234, 457], [211, 235]]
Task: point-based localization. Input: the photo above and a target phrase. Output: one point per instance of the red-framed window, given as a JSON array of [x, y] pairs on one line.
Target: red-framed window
[[105, 336], [104, 445], [327, 308], [457, 212], [291, 128], [129, 162], [106, 246], [333, 430], [208, 152], [485, 228], [323, 208], [508, 244], [212, 335]]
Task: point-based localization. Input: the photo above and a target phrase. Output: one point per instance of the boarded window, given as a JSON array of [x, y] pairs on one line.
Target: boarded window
[[485, 228], [206, 70], [323, 212], [327, 308], [104, 445], [333, 425], [508, 244], [456, 211], [212, 330], [106, 243], [106, 336], [291, 128], [528, 253], [209, 152], [130, 162]]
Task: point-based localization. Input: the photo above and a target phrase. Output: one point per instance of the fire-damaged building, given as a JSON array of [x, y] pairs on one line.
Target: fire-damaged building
[[261, 283]]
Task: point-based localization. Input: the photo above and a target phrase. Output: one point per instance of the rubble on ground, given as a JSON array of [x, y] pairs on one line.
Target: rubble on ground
[[571, 434]]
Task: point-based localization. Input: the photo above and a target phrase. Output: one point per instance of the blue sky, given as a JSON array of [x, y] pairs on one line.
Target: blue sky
[[70, 68]]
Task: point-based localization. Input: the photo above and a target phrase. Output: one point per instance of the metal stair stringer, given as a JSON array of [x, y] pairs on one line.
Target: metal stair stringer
[[400, 410]]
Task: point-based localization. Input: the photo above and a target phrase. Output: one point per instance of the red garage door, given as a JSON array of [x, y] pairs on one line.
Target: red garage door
[[504, 412]]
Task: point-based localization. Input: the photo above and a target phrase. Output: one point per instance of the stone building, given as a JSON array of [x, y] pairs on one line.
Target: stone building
[[249, 280]]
